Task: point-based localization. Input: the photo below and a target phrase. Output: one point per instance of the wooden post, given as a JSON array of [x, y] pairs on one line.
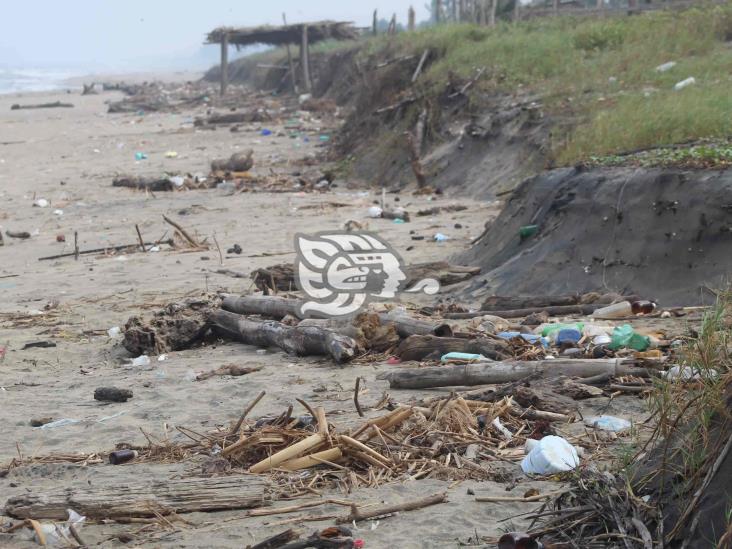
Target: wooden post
[[494, 7], [293, 76], [375, 28], [224, 63], [412, 18], [305, 59]]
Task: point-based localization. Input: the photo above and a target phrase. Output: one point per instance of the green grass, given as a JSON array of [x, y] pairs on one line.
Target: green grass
[[601, 71]]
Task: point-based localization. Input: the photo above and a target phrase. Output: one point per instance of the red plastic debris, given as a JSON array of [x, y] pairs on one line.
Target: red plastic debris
[[393, 360], [358, 543]]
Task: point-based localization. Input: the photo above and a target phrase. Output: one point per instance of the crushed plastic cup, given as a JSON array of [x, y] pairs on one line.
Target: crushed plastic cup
[[114, 332], [41, 203], [58, 212], [375, 212], [601, 339], [162, 358], [439, 237], [142, 360], [608, 423], [549, 456]]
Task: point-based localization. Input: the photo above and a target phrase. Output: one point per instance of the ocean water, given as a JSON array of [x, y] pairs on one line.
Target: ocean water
[[33, 80]]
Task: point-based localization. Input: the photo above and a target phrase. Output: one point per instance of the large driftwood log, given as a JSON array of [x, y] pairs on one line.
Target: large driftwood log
[[417, 347], [266, 305], [146, 499], [154, 184], [408, 326], [493, 373], [301, 341]]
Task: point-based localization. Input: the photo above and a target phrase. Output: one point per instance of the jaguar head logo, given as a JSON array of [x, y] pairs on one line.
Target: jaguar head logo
[[340, 273]]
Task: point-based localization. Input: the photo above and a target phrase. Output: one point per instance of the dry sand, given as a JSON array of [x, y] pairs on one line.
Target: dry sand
[[69, 157]]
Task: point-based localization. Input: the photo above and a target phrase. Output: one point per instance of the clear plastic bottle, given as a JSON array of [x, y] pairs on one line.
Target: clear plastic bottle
[[616, 310]]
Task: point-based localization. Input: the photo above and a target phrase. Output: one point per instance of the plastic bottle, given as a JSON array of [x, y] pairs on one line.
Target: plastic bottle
[[616, 310], [568, 336], [643, 307], [548, 329], [549, 456], [625, 337]]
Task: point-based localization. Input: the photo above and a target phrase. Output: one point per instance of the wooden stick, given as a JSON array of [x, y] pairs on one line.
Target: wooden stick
[[355, 397], [322, 421], [357, 515], [102, 250], [246, 412], [288, 453], [353, 443], [422, 60], [313, 460], [76, 248], [509, 499], [192, 241], [139, 235]]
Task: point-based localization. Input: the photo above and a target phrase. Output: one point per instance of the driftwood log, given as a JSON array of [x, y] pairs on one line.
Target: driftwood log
[[54, 105], [295, 340], [279, 307], [418, 347], [558, 310], [270, 306], [154, 184], [238, 162], [145, 499], [493, 373], [442, 271]]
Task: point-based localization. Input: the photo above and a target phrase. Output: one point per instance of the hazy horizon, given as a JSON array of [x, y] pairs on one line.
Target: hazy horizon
[[88, 35]]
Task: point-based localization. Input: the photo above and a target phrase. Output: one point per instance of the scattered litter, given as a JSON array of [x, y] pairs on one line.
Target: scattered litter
[[265, 132], [142, 360], [623, 309], [41, 203], [140, 156], [171, 154], [58, 212], [439, 237], [177, 180], [666, 66], [549, 456], [375, 212], [122, 456], [608, 423], [624, 337], [685, 83], [469, 357], [162, 358]]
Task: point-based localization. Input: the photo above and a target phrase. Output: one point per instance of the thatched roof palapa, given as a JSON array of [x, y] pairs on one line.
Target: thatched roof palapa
[[282, 35]]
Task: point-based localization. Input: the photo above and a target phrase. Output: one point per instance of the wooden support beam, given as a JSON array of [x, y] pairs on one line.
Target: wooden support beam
[[293, 75], [305, 59], [224, 63]]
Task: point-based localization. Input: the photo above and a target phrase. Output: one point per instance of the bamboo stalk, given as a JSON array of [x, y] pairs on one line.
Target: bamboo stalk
[[363, 448], [312, 460], [288, 453]]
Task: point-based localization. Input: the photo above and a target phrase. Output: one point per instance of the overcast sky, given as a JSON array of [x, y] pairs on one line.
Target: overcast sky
[[139, 34]]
